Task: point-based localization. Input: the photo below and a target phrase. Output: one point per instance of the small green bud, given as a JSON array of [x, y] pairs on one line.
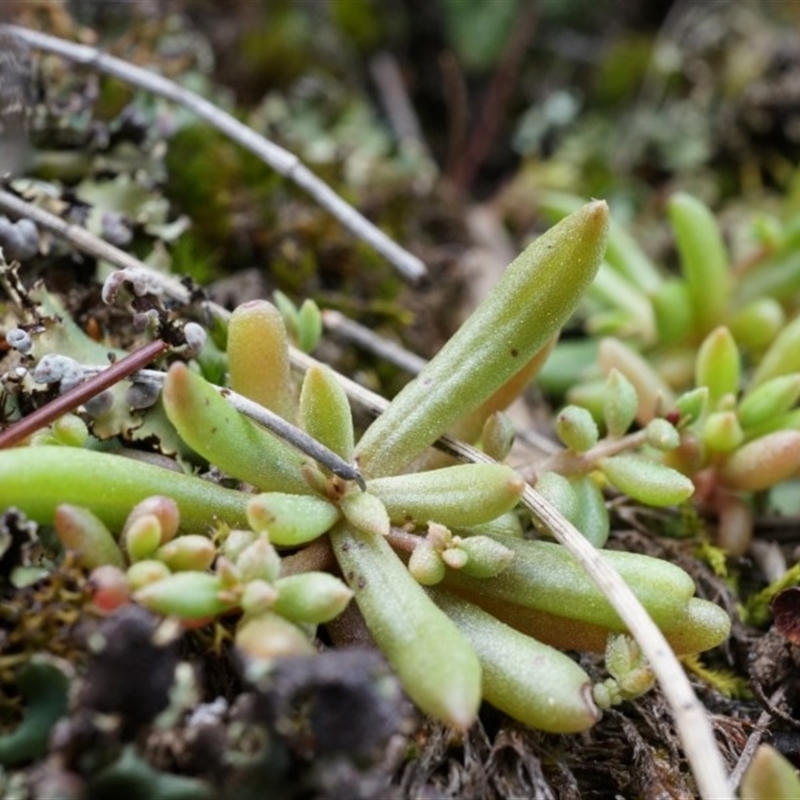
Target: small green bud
[[366, 512], [236, 541], [717, 365], [141, 537], [164, 509], [692, 405], [311, 597], [620, 404], [290, 519], [646, 481], [188, 595], [769, 399], [258, 596], [486, 557], [558, 491], [498, 435], [309, 325], [762, 462], [576, 428], [70, 430], [191, 551], [81, 531], [454, 557], [722, 432], [269, 636], [758, 323], [259, 561], [145, 572], [426, 564], [662, 434]]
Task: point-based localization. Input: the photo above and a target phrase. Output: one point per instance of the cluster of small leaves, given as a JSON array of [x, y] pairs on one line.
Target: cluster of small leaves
[[713, 349]]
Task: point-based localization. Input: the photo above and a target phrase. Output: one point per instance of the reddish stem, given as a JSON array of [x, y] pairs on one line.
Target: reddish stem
[[74, 397]]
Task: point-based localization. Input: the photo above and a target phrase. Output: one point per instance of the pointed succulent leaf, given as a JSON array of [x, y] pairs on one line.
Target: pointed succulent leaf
[[762, 462], [661, 434], [534, 298], [309, 325], [325, 411], [620, 403], [782, 356], [311, 597], [646, 481], [226, 438], [623, 252], [704, 260], [769, 399], [37, 479], [532, 682], [591, 515], [82, 532], [258, 357], [458, 496], [718, 365], [722, 432], [437, 666], [187, 595], [543, 575], [291, 519]]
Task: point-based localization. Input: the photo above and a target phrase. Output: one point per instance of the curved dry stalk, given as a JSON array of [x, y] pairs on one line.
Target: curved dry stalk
[[282, 161], [694, 728]]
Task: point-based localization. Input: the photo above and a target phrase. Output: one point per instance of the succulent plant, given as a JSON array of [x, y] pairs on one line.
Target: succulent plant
[[463, 606]]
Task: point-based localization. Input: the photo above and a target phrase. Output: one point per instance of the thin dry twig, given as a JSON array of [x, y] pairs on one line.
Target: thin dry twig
[[282, 161], [79, 394]]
